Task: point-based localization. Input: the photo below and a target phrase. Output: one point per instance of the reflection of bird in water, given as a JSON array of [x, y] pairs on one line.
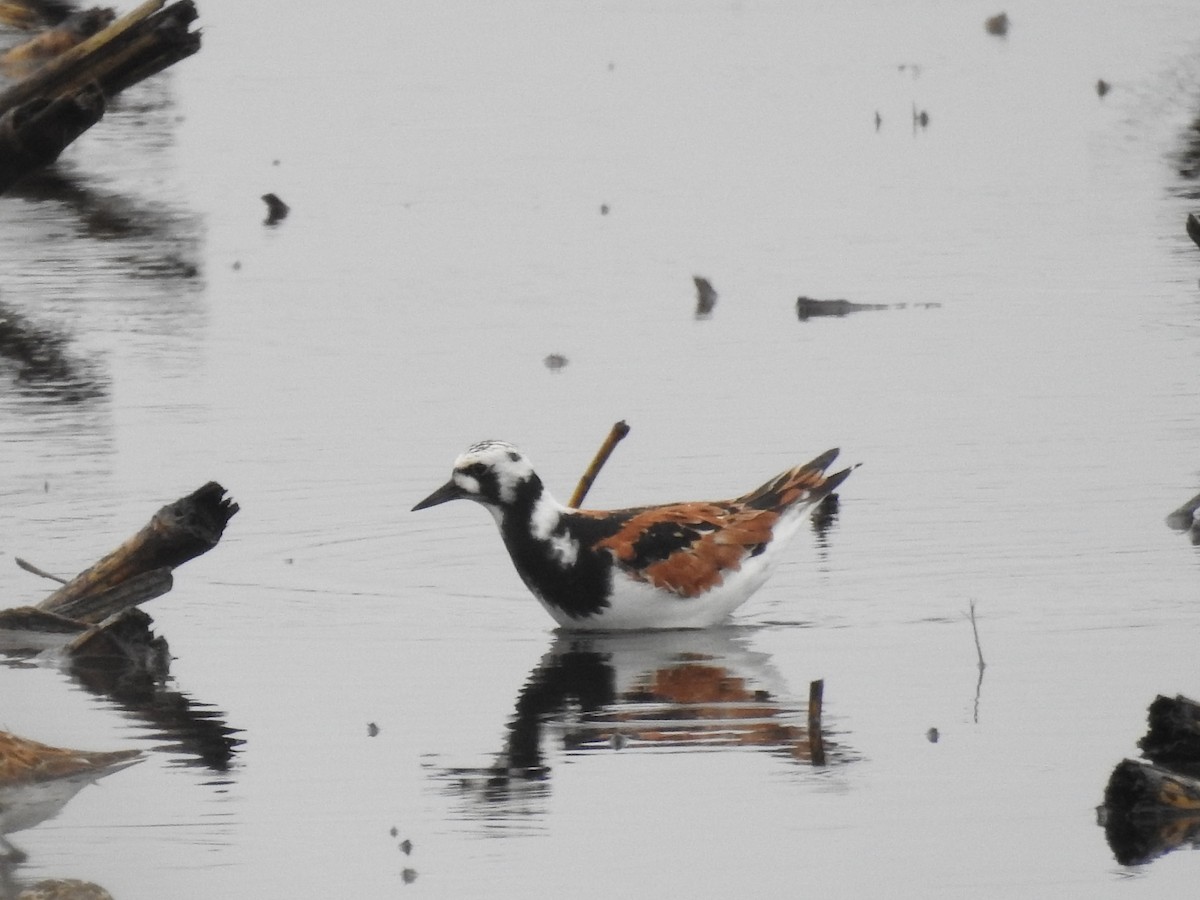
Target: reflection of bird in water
[[642, 692], [682, 565], [37, 780]]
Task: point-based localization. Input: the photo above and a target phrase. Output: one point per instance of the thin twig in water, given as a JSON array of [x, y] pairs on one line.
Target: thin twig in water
[[975, 629], [615, 435], [30, 567]]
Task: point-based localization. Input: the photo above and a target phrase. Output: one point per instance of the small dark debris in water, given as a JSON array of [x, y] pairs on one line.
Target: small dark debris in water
[[1193, 228], [555, 362], [1103, 87], [997, 25], [611, 66], [277, 210], [372, 729], [706, 297], [912, 68], [878, 120], [274, 162], [920, 118], [237, 265], [808, 308], [406, 847], [932, 735], [287, 561], [604, 209], [394, 831], [408, 876]]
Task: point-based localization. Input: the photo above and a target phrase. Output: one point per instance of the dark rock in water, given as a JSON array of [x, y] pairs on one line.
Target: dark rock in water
[[277, 210], [706, 297], [555, 362], [808, 308], [997, 25]]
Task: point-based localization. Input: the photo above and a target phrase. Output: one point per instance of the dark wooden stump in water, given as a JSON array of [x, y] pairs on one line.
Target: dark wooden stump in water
[[140, 569], [1174, 735]]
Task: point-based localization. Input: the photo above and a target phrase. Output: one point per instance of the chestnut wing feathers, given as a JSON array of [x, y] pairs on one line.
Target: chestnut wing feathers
[[687, 548]]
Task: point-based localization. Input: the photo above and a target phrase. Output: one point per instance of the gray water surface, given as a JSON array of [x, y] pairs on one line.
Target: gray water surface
[[1025, 413]]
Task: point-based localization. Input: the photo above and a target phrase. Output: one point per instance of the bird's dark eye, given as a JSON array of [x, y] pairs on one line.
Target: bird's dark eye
[[514, 455], [475, 470]]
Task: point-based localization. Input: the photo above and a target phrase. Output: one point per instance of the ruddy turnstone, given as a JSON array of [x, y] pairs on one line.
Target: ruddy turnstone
[[680, 565]]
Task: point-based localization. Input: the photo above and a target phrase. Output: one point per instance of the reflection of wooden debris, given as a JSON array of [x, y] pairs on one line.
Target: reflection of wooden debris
[[37, 780], [41, 115], [706, 297], [1193, 228], [277, 210], [997, 25], [1152, 806]]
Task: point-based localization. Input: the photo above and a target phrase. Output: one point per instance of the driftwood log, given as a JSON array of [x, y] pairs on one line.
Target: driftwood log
[[92, 612], [1149, 811], [42, 114], [1152, 806]]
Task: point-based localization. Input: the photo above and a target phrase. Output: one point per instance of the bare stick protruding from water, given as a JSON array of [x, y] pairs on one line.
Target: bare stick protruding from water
[[975, 629], [816, 740], [30, 567], [618, 432]]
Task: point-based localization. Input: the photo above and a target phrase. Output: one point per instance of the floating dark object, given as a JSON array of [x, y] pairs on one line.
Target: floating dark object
[[878, 120], [1103, 87], [1193, 228], [920, 118], [808, 308], [997, 25], [604, 209], [706, 297], [932, 735], [372, 729], [406, 847], [277, 210], [555, 362]]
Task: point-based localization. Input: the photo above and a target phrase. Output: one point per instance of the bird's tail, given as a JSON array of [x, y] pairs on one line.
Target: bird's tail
[[804, 484]]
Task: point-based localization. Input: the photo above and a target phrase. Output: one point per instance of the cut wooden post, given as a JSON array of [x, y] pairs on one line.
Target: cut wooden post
[[1141, 788], [615, 435], [816, 740], [178, 532]]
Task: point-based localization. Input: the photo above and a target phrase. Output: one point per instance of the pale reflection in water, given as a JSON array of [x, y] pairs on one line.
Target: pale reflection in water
[[671, 691]]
